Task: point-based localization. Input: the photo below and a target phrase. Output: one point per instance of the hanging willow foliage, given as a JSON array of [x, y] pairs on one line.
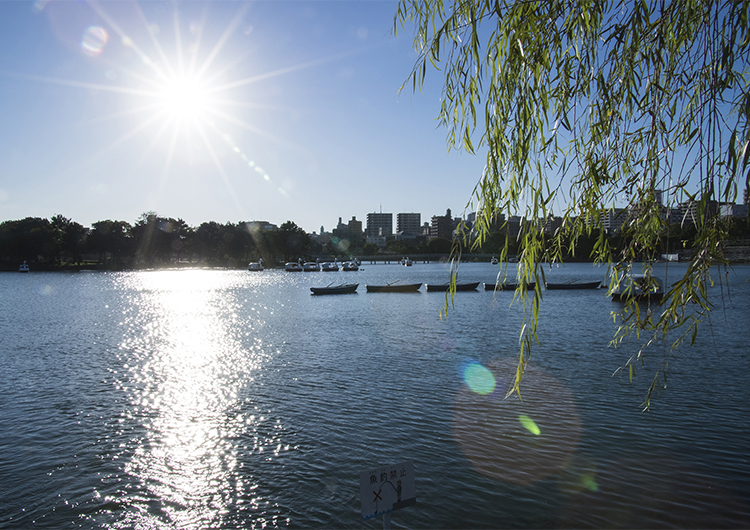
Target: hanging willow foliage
[[589, 104]]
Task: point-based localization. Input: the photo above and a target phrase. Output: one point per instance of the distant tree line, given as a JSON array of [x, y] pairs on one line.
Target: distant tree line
[[155, 241]]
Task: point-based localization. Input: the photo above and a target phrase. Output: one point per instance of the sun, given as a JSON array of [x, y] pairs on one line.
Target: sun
[[184, 99], [183, 84]]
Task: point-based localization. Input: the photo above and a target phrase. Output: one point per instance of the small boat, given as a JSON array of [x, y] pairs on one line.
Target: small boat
[[330, 266], [394, 288], [255, 265], [460, 286], [507, 286], [640, 287], [350, 266], [493, 261], [573, 285], [23, 267], [406, 262], [293, 266], [311, 266], [344, 288]]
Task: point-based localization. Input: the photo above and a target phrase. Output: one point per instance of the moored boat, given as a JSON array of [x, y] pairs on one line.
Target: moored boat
[[639, 287], [330, 266], [311, 266], [344, 288], [255, 265], [23, 267], [293, 266], [573, 285], [506, 286], [350, 266], [394, 288], [460, 286]]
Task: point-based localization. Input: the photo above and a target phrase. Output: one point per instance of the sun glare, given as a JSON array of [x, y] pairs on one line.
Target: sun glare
[[183, 82], [184, 99]]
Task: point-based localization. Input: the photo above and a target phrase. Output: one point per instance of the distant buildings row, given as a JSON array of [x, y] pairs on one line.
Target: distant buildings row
[[686, 213], [410, 229], [379, 229]]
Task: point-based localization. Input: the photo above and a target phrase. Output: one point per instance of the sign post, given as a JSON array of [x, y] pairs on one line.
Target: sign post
[[385, 489]]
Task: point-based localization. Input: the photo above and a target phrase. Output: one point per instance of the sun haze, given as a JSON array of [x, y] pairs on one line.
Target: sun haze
[[218, 111]]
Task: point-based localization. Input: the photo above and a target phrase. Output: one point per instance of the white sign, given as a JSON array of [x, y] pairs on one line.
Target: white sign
[[387, 488]]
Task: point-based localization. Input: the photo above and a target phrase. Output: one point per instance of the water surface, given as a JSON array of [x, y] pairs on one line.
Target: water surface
[[231, 399]]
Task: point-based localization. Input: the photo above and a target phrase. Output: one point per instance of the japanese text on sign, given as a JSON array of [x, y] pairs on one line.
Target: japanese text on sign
[[387, 488]]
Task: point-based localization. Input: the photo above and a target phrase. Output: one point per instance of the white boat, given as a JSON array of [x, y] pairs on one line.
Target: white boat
[[255, 265], [406, 262], [293, 266], [330, 266], [311, 266], [493, 261], [23, 267], [638, 286]]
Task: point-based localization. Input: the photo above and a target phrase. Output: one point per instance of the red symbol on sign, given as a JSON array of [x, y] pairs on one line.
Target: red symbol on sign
[[377, 495]]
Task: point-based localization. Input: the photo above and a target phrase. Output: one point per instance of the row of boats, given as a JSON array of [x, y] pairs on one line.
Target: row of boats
[[397, 287], [348, 288], [631, 286], [310, 266]]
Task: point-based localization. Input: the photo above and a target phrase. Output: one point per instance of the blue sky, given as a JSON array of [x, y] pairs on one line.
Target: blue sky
[[272, 110]]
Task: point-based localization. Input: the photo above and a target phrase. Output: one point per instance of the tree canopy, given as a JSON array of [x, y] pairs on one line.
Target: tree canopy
[[587, 105]]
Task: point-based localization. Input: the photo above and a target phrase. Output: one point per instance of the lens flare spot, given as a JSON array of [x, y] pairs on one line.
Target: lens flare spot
[[93, 41], [491, 434], [479, 379], [588, 482], [529, 424]]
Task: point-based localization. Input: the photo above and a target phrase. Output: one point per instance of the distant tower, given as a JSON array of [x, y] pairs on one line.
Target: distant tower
[[442, 226], [379, 224], [408, 223]]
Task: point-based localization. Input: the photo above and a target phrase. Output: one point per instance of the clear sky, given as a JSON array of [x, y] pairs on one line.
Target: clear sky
[[219, 111]]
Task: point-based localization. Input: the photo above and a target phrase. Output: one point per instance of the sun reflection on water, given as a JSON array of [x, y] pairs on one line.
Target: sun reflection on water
[[188, 366]]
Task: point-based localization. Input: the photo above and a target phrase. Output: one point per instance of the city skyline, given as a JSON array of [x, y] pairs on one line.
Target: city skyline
[[222, 111]]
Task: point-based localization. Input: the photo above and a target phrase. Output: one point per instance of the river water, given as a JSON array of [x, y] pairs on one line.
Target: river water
[[233, 399]]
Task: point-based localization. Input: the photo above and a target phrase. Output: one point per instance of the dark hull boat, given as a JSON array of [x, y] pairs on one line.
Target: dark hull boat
[[465, 286], [573, 285], [394, 288], [345, 288], [506, 286], [639, 287]]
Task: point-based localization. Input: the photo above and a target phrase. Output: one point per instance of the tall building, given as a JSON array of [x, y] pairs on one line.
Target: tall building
[[442, 226], [613, 219], [355, 232], [408, 223], [514, 226], [379, 224]]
